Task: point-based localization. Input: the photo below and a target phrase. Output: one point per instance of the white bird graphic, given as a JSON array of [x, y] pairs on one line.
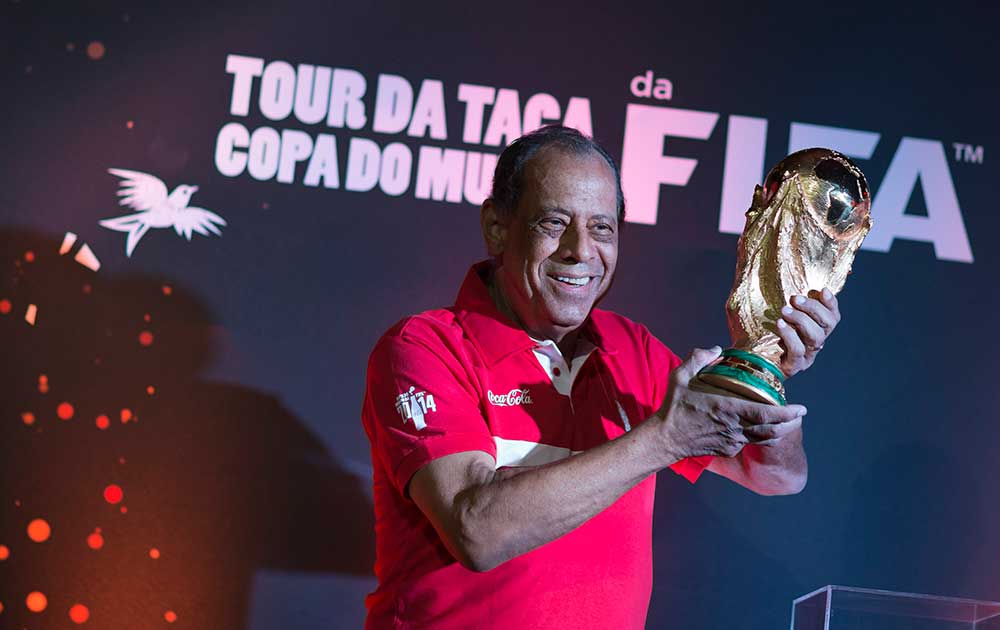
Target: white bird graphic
[[147, 195]]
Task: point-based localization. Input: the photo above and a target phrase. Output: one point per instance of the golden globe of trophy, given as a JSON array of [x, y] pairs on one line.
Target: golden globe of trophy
[[802, 232]]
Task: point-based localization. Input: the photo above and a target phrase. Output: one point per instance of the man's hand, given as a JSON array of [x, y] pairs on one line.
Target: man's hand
[[697, 422], [804, 327]]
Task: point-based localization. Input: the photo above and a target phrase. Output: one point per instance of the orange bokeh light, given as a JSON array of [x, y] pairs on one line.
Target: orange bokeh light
[[4, 552], [102, 422], [147, 318], [154, 553], [113, 494], [64, 411], [167, 289], [129, 124], [29, 256], [28, 418], [95, 541], [5, 306], [125, 415], [1, 607], [146, 338], [150, 390], [170, 616], [124, 510], [36, 601], [39, 530], [43, 384], [79, 613]]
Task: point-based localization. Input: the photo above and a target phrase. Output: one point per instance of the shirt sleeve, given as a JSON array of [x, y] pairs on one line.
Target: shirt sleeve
[[662, 361], [420, 405]]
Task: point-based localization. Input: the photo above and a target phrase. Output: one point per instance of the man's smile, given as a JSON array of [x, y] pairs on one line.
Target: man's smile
[[572, 282]]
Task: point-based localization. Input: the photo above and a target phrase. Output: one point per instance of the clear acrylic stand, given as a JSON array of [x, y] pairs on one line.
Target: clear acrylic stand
[[848, 608]]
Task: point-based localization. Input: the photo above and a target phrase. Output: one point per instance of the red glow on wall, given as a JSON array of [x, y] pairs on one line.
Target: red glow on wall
[[39, 530], [95, 541], [4, 552], [36, 601], [102, 422], [5, 307], [170, 616], [79, 613], [154, 553], [28, 418], [64, 411], [113, 494], [146, 338], [43, 384], [125, 415]]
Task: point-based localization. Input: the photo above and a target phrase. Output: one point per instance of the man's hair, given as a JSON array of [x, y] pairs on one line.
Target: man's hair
[[508, 177]]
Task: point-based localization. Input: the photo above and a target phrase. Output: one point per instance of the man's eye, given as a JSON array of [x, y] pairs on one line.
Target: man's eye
[[553, 223], [603, 228]]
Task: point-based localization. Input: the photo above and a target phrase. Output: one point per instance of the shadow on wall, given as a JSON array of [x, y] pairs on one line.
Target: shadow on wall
[[218, 479], [709, 573], [916, 523]]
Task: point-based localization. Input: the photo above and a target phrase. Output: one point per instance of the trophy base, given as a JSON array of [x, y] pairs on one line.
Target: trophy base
[[748, 375]]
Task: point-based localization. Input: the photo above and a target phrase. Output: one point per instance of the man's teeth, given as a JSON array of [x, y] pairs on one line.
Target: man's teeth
[[574, 281]]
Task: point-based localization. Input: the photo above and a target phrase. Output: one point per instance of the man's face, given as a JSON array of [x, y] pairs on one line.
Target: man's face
[[560, 247]]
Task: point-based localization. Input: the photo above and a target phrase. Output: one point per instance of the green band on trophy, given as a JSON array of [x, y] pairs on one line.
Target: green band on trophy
[[757, 360], [758, 385]]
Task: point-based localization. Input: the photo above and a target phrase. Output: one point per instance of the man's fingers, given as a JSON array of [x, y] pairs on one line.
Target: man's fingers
[[829, 300], [816, 309], [700, 357], [759, 413], [766, 432], [793, 344], [810, 332]]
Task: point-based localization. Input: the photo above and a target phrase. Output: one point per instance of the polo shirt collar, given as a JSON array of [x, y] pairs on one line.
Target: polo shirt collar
[[496, 335]]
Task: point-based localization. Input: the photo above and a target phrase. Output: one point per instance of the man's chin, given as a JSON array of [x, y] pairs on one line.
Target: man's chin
[[569, 321]]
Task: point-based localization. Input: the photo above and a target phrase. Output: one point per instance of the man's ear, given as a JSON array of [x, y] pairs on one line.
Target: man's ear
[[494, 227]]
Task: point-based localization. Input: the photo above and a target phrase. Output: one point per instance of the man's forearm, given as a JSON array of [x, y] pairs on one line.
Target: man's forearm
[[778, 467], [518, 510]]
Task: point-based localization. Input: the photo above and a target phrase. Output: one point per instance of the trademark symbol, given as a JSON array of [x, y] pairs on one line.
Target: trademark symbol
[[968, 153]]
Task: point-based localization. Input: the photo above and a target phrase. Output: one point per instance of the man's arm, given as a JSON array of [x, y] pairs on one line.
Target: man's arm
[[779, 466], [486, 517], [770, 468]]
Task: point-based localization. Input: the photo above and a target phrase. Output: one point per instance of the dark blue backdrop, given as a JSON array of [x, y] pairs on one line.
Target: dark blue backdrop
[[255, 461]]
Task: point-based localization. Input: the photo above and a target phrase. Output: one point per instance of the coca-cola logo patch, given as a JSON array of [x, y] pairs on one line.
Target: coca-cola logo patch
[[510, 399]]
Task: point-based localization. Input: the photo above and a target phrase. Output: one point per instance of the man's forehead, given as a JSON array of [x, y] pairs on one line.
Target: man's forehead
[[556, 171]]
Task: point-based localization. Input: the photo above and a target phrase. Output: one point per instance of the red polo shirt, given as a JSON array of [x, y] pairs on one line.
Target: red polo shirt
[[466, 378]]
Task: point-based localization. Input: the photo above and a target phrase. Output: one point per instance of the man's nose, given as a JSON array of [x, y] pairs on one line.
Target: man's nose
[[576, 244]]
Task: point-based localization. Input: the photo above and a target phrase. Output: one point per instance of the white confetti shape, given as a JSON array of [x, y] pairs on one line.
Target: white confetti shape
[[87, 258], [67, 243]]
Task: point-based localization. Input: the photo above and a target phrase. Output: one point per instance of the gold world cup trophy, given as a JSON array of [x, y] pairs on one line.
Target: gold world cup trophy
[[802, 232]]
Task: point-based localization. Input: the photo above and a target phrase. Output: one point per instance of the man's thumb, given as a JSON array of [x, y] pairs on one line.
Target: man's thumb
[[700, 357]]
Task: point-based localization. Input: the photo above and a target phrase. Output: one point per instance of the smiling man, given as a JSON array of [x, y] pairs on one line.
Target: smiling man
[[516, 435]]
